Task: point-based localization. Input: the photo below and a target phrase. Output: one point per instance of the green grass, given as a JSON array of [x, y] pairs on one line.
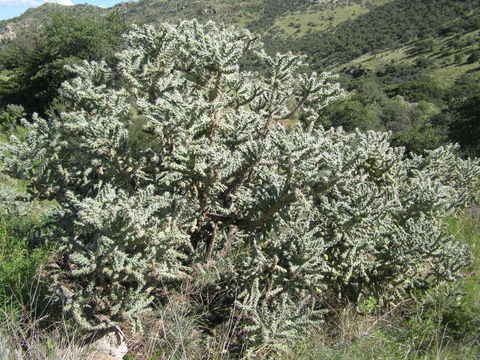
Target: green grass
[[21, 251], [467, 230], [319, 19], [448, 74], [20, 258], [300, 21], [443, 71], [375, 61]]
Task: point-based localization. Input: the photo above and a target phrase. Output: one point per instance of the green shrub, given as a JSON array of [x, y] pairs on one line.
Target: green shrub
[[10, 116], [473, 57], [37, 62], [460, 118]]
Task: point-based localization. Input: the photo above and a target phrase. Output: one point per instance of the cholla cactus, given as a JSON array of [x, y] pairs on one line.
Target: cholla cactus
[[178, 161]]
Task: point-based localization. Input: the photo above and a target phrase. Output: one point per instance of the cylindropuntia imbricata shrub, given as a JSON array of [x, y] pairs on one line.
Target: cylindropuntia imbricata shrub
[[177, 161]]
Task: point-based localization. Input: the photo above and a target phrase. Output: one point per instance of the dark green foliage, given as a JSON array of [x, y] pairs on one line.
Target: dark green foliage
[[37, 64], [397, 73], [459, 59], [419, 90], [369, 108], [351, 114], [462, 117], [10, 116], [420, 133], [370, 91], [474, 57]]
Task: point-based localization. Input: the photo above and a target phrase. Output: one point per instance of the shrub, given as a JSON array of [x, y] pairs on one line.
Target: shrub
[[177, 163], [473, 57], [37, 62], [459, 59], [10, 116], [461, 118]]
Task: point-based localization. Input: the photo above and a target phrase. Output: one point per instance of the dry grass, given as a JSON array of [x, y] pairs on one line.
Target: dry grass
[[25, 338]]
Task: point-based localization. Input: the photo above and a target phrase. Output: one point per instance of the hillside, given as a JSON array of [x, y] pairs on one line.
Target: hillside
[[341, 29], [183, 195], [332, 33], [33, 18], [280, 19], [276, 21]]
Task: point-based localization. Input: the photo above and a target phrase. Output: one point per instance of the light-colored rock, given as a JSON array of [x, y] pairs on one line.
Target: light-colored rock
[[8, 33], [100, 356], [111, 346]]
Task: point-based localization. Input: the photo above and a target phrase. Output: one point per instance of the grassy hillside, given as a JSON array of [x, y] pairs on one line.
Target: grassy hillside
[[254, 14], [390, 26], [276, 20], [331, 33], [444, 59], [321, 17]]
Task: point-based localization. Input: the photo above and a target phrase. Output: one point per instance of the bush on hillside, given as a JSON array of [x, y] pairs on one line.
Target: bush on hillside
[[461, 119], [473, 57], [10, 116], [177, 165]]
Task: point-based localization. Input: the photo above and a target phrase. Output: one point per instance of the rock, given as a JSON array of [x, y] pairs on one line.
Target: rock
[[100, 356], [8, 33], [111, 346]]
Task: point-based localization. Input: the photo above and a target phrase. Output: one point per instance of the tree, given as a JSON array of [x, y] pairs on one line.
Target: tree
[[351, 114], [421, 133], [473, 57], [38, 64], [461, 117], [10, 116], [459, 59], [176, 165]]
